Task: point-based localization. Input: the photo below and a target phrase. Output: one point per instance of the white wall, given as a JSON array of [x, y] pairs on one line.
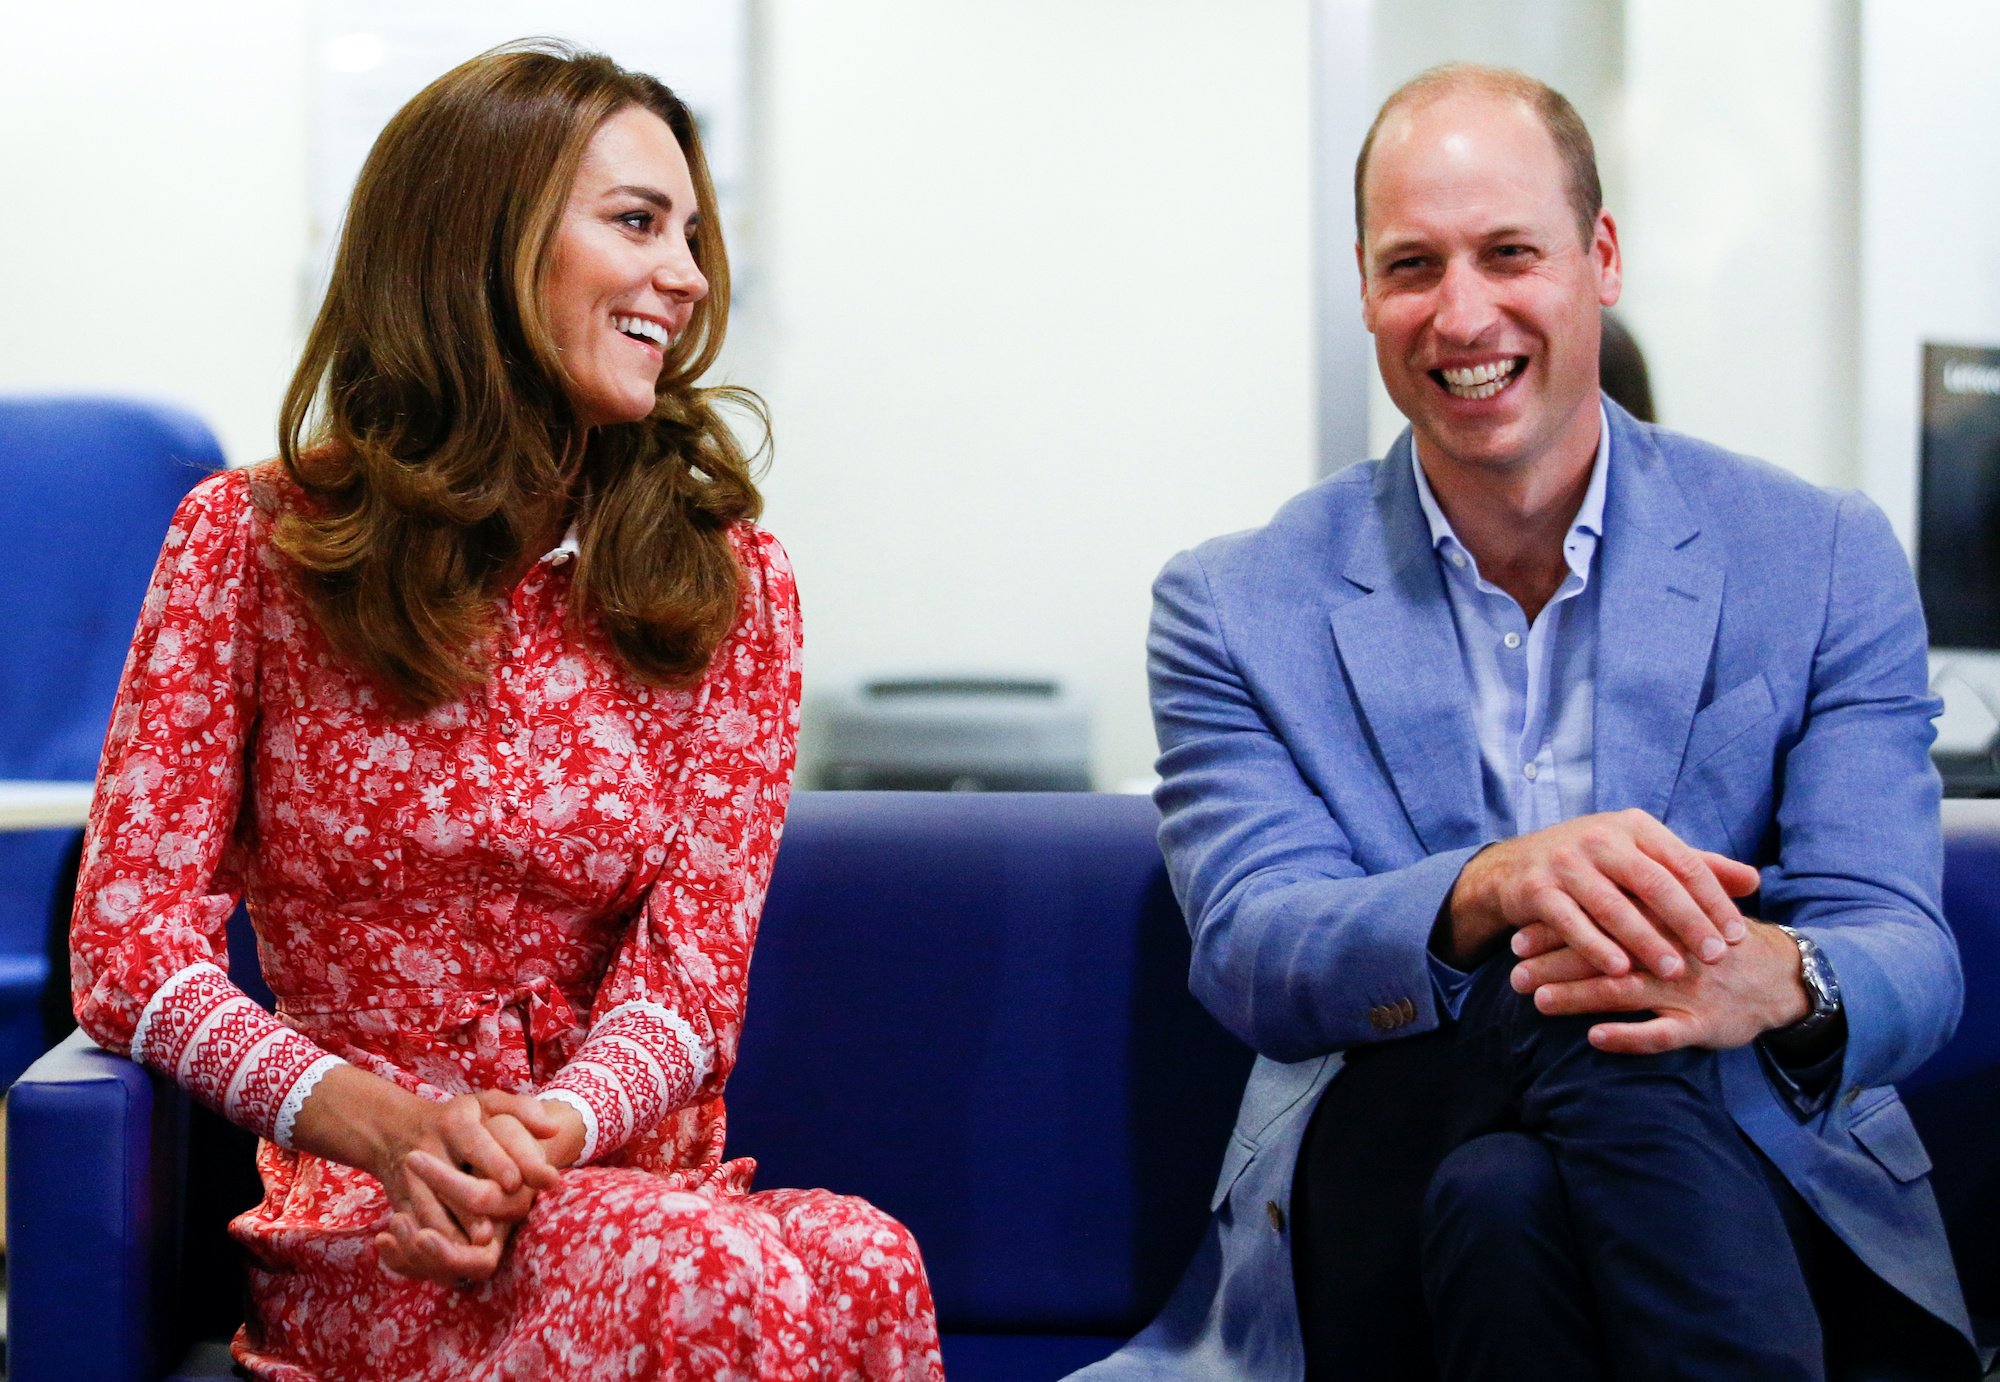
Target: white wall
[[1039, 287], [1739, 223], [1930, 255], [1930, 229], [154, 241], [1029, 290]]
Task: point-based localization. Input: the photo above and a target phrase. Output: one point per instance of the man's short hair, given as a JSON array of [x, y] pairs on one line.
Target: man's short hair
[[1558, 116]]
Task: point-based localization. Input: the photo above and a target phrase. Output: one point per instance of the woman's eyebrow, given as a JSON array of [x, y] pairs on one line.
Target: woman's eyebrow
[[645, 194]]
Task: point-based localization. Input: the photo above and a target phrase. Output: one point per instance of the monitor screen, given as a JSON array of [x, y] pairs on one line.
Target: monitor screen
[[1958, 513]]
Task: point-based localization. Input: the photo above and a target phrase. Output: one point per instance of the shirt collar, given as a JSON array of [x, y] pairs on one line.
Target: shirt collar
[[1589, 514], [563, 550]]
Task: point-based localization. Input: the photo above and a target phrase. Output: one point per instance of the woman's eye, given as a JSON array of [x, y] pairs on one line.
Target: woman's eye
[[637, 220]]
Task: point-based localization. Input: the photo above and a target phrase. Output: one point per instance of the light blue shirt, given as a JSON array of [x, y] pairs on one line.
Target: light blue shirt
[[1532, 683]]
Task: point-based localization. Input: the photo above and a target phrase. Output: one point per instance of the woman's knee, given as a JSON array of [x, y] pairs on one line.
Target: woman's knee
[[844, 1232]]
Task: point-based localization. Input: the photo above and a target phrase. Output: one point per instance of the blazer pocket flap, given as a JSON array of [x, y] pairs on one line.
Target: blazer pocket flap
[[1235, 1157], [1726, 719], [1274, 1090], [1888, 1135]]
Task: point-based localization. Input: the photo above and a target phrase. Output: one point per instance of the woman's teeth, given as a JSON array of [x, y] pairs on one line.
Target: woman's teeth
[[643, 329], [1481, 381]]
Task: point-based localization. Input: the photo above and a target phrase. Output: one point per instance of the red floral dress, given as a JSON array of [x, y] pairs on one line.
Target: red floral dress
[[549, 885]]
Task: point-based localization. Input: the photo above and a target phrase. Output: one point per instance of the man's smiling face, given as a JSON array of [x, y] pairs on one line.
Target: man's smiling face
[[1481, 294]]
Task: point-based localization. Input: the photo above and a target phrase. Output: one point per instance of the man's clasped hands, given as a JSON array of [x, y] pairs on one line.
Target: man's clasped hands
[[1613, 913]]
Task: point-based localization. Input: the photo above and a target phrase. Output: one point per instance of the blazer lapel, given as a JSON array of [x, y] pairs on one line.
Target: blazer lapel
[[1399, 647], [1656, 623]]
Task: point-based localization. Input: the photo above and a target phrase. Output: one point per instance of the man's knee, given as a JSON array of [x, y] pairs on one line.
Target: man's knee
[[1497, 1187], [1554, 1055]]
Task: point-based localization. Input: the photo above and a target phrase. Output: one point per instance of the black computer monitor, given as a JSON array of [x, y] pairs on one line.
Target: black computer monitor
[[1958, 509]]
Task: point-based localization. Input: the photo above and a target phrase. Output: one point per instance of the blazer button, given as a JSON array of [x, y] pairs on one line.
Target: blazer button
[[1853, 1095], [1378, 1018], [1275, 1214], [1406, 1012]]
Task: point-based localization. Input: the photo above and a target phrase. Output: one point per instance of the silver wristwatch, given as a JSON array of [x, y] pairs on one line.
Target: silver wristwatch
[[1821, 987]]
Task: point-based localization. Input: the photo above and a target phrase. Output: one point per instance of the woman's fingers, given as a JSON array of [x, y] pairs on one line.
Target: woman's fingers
[[529, 1155], [432, 1213], [462, 1128], [525, 1108], [468, 1197], [424, 1253]]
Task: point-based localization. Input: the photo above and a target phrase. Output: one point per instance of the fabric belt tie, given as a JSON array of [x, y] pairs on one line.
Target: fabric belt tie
[[545, 1008]]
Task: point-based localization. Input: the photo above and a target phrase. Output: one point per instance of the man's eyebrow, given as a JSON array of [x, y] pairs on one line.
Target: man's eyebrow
[[1396, 249]]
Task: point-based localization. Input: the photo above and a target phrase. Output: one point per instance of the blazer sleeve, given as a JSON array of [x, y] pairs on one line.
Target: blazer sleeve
[[1860, 855], [1296, 950], [665, 1022]]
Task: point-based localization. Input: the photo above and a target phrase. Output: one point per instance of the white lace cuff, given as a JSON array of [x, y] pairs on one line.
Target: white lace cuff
[[582, 1106], [295, 1099]]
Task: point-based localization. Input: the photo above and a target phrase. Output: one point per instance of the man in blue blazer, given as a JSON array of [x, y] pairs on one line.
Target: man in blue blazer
[[1463, 759]]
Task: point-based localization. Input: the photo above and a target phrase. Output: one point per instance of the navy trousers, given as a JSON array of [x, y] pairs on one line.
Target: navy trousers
[[1499, 1199]]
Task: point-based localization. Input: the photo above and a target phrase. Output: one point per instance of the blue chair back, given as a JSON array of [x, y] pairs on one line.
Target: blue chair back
[[87, 487], [954, 994], [1955, 1096]]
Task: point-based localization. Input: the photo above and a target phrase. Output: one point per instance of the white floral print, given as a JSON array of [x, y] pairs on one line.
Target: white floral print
[[549, 885]]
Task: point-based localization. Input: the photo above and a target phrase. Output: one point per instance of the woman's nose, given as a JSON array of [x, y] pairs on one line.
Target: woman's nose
[[677, 276]]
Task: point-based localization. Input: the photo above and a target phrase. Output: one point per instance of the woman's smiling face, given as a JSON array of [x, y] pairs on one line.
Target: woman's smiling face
[[623, 280]]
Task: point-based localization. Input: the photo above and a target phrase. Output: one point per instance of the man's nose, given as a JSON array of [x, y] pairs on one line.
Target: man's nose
[[677, 276], [1464, 304]]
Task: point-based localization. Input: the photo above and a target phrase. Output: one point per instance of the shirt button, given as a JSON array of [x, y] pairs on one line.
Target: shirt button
[[1458, 560], [1512, 640], [1531, 771]]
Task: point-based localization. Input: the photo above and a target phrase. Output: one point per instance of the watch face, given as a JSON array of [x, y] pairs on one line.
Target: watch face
[[1818, 977]]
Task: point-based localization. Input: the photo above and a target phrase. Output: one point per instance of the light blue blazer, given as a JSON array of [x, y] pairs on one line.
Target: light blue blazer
[[1760, 688]]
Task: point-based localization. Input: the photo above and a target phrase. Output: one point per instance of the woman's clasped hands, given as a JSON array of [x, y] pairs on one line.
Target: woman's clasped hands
[[461, 1174]]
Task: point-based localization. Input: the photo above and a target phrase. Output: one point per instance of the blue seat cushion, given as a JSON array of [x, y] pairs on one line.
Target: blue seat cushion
[[972, 1010], [1022, 1357]]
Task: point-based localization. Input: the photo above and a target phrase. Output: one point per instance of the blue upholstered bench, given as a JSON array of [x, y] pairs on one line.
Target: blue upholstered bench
[[87, 486], [971, 1009]]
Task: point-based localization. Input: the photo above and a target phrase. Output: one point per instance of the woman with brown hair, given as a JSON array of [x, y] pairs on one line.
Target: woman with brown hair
[[484, 696]]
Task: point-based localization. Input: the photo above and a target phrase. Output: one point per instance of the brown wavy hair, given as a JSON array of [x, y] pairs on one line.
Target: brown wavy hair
[[430, 421]]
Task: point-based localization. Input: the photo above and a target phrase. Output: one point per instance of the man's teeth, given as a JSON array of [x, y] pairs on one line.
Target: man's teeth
[[642, 328], [1480, 381]]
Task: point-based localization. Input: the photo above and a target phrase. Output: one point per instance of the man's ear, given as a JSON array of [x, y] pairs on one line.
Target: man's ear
[[1367, 308], [1610, 265]]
